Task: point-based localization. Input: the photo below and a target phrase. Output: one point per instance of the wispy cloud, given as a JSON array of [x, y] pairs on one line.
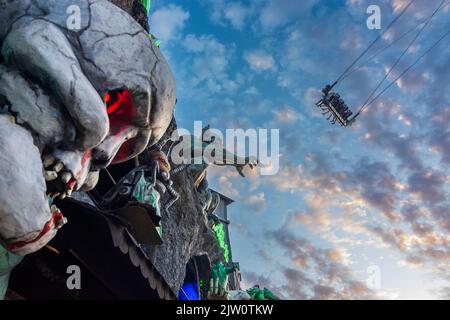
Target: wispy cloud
[[260, 60], [168, 22]]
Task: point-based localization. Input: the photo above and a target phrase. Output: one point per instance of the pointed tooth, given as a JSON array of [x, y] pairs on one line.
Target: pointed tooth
[[66, 176], [58, 167], [50, 175], [48, 160]]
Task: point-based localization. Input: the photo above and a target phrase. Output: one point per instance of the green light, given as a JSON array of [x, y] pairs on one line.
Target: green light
[[157, 42], [220, 235], [147, 5]]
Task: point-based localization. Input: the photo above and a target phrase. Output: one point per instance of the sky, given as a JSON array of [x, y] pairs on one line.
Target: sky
[[353, 213]]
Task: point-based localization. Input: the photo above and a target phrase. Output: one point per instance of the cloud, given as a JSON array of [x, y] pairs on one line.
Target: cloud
[[411, 217], [279, 13], [319, 273], [318, 221], [260, 60], [257, 202], [168, 22], [286, 114], [395, 238], [224, 179], [251, 278], [209, 63], [428, 185], [236, 14], [229, 13], [439, 138]]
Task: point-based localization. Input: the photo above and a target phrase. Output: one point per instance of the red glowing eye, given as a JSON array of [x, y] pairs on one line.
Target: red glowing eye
[[115, 100], [107, 98]]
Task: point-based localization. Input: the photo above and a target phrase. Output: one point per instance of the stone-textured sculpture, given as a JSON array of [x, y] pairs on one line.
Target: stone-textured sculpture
[[144, 186], [60, 61], [198, 169], [218, 281]]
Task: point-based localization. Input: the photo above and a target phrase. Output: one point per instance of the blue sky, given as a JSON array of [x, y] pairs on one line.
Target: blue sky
[[344, 198]]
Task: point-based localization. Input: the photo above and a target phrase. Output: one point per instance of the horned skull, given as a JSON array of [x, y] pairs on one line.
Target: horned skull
[[74, 98]]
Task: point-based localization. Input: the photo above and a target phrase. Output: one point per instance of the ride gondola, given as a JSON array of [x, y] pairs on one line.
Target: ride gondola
[[334, 106]]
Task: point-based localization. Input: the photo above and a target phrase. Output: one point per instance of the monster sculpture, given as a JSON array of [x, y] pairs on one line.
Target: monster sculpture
[[81, 87], [198, 169], [143, 186], [256, 293], [156, 157], [218, 282]]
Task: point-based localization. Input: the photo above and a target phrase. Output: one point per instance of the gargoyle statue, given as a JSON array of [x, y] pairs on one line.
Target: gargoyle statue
[[198, 169]]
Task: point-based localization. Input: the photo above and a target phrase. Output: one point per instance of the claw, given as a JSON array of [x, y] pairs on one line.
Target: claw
[[50, 175], [61, 223], [48, 160], [66, 176], [216, 285], [58, 167], [239, 170]]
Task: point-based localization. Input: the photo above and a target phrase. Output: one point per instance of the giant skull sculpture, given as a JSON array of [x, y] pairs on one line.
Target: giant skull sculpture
[[81, 86]]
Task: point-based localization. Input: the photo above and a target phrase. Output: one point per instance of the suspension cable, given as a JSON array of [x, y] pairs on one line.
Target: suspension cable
[[378, 52], [410, 67], [386, 47], [398, 60], [374, 41]]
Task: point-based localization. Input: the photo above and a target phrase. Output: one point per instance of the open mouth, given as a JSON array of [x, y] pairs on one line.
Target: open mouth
[[120, 144]]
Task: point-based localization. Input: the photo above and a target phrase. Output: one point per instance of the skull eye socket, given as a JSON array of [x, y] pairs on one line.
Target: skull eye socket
[[120, 108], [118, 101]]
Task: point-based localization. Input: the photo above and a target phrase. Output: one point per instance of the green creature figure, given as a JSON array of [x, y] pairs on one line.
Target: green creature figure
[[8, 261], [256, 293], [218, 281], [144, 186], [150, 196]]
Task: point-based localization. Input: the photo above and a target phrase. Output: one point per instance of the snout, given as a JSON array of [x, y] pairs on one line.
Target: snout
[[104, 154]]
